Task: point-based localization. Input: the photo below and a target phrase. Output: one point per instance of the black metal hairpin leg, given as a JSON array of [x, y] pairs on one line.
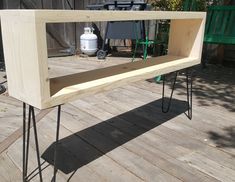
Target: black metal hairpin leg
[[36, 142], [163, 93], [189, 85], [26, 149], [24, 129], [189, 81], [27, 142], [56, 143], [31, 115]]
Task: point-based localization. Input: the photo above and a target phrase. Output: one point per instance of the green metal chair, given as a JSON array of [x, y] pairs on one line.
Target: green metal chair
[[160, 33], [160, 36], [146, 42]]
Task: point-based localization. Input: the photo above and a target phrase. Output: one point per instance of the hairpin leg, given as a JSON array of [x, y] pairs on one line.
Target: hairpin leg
[[36, 142], [26, 141], [189, 83], [38, 170], [163, 93], [24, 129], [56, 143], [189, 86]]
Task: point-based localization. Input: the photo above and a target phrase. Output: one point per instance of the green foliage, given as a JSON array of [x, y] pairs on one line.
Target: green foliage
[[168, 5], [186, 5]]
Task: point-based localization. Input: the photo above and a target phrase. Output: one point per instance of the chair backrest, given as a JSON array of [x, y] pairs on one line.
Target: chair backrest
[[220, 25]]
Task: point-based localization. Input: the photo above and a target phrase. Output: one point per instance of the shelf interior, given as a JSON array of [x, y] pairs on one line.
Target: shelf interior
[[88, 79]]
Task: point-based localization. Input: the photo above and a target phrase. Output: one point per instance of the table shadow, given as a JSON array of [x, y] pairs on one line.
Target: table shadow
[[87, 145]]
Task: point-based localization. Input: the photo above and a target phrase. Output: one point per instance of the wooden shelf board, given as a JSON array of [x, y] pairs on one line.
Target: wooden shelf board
[[73, 86], [62, 16]]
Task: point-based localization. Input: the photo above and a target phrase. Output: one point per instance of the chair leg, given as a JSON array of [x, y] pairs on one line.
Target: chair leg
[[154, 49], [136, 46], [145, 52], [158, 79]]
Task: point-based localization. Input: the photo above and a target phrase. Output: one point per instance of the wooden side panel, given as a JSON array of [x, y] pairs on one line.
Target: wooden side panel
[[186, 37], [42, 62], [23, 57]]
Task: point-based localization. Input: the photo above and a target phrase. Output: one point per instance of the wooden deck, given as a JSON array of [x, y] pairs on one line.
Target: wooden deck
[[122, 135]]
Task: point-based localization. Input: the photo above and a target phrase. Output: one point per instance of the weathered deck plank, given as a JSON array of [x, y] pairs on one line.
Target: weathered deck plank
[[181, 138], [8, 171]]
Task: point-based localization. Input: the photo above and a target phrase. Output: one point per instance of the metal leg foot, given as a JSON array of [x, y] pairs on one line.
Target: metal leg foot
[[135, 50]]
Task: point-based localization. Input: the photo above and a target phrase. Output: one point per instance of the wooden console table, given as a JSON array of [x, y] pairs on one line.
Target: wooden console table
[[25, 50]]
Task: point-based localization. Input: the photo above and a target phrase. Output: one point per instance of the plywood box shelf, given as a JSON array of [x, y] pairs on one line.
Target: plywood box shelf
[[25, 49]]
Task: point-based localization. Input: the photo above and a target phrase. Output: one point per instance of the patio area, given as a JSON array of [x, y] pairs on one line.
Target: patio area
[[122, 134]]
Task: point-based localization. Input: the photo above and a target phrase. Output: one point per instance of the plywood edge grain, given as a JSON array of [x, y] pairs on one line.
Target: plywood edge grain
[[22, 15], [94, 16], [62, 16]]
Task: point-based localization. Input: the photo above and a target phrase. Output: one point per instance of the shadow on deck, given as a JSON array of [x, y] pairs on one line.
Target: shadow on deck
[[226, 140], [214, 85], [89, 144]]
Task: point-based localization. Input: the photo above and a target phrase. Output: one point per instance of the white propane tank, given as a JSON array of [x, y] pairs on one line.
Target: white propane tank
[[88, 41]]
